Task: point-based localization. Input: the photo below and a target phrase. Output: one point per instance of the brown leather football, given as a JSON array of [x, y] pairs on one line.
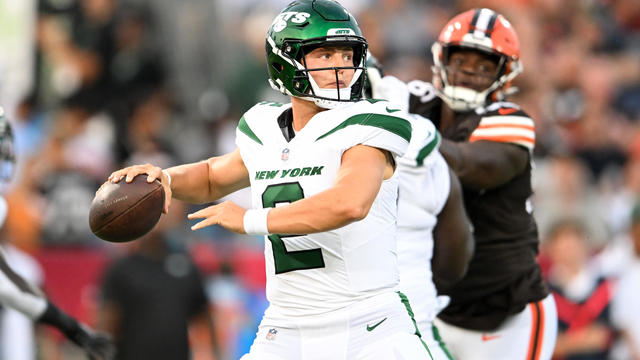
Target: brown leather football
[[124, 211]]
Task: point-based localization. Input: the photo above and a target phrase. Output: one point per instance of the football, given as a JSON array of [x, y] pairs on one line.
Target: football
[[122, 211]]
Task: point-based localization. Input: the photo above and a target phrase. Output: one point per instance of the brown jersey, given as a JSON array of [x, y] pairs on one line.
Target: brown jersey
[[503, 275]]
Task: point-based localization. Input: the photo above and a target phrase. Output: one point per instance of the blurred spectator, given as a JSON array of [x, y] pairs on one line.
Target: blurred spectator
[[624, 307], [582, 295], [136, 70], [30, 127], [562, 186], [229, 299], [17, 41], [152, 295], [77, 152]]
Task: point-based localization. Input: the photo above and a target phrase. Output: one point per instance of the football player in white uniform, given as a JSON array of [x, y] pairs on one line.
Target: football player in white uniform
[[433, 231], [18, 294], [433, 228], [501, 308], [324, 192]]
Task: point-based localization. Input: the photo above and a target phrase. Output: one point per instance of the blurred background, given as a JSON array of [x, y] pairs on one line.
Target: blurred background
[[93, 85]]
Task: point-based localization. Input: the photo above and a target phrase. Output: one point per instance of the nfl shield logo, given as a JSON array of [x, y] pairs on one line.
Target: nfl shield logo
[[271, 335], [285, 154]]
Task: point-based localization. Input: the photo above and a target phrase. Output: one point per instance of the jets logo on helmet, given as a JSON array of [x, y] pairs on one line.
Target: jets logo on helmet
[[305, 25], [482, 30], [280, 22]]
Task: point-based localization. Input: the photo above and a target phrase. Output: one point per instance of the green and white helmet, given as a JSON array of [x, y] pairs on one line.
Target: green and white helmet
[[305, 25]]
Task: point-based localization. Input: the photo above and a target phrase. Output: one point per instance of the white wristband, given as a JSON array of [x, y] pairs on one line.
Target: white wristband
[[168, 177], [255, 221]]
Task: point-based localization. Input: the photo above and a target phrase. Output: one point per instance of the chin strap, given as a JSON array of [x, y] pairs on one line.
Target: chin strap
[[463, 99], [331, 98]]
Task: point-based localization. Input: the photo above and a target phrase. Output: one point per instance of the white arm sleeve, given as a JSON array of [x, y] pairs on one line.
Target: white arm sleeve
[[27, 303], [16, 293]]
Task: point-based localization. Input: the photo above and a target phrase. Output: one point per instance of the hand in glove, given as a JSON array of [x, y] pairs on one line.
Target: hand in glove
[[97, 345]]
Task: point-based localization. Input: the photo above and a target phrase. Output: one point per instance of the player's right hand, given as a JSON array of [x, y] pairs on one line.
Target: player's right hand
[[226, 214], [100, 347], [153, 172], [97, 345]]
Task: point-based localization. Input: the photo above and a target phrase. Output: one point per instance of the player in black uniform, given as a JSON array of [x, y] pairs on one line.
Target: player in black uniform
[[501, 309], [24, 297]]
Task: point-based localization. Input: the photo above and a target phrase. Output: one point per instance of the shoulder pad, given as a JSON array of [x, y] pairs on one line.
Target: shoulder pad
[[501, 108], [424, 91], [260, 122], [505, 122]]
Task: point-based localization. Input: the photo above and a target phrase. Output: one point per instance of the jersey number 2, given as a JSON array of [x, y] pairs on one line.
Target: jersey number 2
[[284, 260]]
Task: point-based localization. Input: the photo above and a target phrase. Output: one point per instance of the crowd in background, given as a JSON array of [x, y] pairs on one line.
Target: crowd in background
[[93, 85]]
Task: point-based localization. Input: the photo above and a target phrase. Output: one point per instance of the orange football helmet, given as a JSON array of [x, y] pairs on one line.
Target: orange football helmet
[[482, 30]]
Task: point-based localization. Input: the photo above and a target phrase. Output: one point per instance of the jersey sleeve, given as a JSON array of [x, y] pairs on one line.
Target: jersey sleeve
[[425, 141], [246, 132], [508, 124]]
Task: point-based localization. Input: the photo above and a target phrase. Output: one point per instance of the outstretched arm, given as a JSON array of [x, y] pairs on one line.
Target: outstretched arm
[[356, 187], [348, 200], [484, 164], [198, 182], [453, 243], [95, 344], [17, 293]]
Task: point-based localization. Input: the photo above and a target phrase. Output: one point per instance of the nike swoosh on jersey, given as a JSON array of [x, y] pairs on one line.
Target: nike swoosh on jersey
[[371, 327], [486, 337], [391, 110]]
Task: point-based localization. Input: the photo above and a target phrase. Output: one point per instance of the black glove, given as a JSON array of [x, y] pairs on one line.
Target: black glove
[[97, 345]]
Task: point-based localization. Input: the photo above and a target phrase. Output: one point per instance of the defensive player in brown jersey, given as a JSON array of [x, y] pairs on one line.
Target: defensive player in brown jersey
[[501, 309]]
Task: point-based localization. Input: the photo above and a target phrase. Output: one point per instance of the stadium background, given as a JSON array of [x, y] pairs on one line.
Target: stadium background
[[92, 85]]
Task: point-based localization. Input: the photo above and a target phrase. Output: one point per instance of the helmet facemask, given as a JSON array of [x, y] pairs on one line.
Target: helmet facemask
[[305, 25], [484, 31], [304, 86], [461, 98]]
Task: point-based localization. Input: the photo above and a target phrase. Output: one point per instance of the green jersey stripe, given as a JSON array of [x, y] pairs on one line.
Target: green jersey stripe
[[396, 125], [244, 127], [443, 347], [405, 302], [427, 149]]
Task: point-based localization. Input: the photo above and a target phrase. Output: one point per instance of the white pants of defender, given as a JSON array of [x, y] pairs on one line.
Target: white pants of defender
[[528, 335], [378, 328]]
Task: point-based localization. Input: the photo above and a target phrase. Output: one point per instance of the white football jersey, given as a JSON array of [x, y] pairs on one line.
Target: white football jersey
[[424, 190], [316, 273]]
